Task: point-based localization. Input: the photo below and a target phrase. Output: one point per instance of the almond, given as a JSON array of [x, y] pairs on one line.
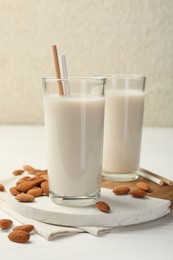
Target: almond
[[2, 188], [38, 181], [27, 167], [143, 185], [33, 171], [25, 186], [5, 223], [45, 176], [138, 193], [120, 190], [40, 173], [25, 178], [103, 206], [27, 228], [18, 172], [23, 197], [45, 187], [36, 192], [32, 178], [13, 191], [19, 236]]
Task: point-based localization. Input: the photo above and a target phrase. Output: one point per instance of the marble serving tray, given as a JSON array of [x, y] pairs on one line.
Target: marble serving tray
[[125, 210]]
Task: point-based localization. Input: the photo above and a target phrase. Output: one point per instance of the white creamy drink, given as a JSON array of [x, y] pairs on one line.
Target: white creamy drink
[[74, 135], [123, 129]]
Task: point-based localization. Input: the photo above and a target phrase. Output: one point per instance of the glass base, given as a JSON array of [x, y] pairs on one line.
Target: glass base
[[75, 201], [121, 177]]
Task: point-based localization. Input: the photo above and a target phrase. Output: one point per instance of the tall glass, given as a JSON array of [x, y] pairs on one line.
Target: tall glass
[[124, 106], [74, 139]]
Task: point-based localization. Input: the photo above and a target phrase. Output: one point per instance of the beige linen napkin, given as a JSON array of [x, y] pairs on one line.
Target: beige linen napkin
[[48, 231]]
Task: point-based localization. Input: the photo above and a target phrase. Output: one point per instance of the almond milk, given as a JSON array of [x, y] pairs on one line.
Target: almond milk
[[122, 132], [74, 134]]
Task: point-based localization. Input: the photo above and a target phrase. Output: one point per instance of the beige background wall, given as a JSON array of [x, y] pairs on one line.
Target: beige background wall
[[98, 36]]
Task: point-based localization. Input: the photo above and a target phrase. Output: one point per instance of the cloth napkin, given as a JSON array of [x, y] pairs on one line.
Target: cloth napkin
[[48, 231]]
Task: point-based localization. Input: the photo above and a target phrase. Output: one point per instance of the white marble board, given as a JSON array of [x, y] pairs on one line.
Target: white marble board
[[125, 210]]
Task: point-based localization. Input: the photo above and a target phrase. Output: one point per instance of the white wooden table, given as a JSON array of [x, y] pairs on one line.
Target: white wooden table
[[21, 145]]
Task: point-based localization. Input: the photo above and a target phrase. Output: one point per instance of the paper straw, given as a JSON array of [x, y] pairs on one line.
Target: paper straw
[[165, 180], [57, 69], [65, 75], [151, 178]]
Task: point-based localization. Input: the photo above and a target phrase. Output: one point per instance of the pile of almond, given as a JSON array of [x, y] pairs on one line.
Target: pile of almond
[[35, 184], [139, 192], [25, 190], [28, 188]]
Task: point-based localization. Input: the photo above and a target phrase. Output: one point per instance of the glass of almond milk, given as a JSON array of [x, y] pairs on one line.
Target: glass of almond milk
[[74, 125], [124, 106]]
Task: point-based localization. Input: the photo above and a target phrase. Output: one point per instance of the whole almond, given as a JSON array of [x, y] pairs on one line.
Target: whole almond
[[143, 185], [121, 190], [2, 188], [27, 228], [19, 236], [40, 173], [38, 181], [45, 176], [27, 167], [36, 192], [103, 206], [5, 223], [23, 197], [33, 171], [25, 186], [45, 187], [18, 172], [25, 178], [13, 191], [138, 193], [33, 178]]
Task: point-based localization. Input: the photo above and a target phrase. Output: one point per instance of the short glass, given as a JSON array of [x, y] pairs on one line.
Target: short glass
[[124, 106], [74, 125]]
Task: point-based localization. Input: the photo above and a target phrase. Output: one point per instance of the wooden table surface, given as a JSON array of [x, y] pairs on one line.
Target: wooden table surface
[[157, 191]]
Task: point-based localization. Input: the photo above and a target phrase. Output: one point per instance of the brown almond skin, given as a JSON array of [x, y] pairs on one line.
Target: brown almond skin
[[143, 185], [25, 186], [103, 206], [27, 228], [18, 172], [27, 167], [2, 188], [121, 190], [13, 191], [25, 178], [5, 223], [33, 178], [45, 187], [33, 171], [138, 193], [19, 236], [40, 173], [45, 176], [38, 181], [36, 192], [23, 197]]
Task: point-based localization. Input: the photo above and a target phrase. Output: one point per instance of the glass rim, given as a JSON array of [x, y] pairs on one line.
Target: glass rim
[[52, 79], [123, 76]]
